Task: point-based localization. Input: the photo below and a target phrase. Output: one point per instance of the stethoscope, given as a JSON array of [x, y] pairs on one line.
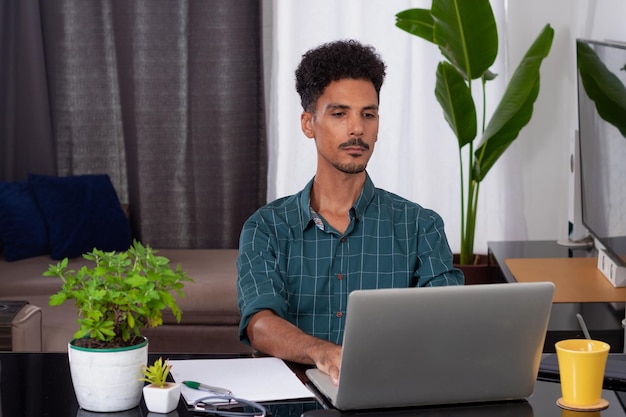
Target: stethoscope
[[210, 405]]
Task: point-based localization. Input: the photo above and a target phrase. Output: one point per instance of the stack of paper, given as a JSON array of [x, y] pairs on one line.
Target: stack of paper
[[252, 379]]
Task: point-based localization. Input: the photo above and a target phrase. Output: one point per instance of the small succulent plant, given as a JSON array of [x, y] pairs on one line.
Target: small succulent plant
[[156, 374]]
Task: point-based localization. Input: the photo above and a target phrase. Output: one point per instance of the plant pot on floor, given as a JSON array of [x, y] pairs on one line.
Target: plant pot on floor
[[162, 399], [481, 271], [107, 380]]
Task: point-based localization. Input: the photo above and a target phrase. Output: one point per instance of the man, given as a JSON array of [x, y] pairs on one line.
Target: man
[[300, 256]]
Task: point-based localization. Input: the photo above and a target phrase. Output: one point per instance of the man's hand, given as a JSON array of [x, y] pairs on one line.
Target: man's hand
[[327, 358], [275, 336]]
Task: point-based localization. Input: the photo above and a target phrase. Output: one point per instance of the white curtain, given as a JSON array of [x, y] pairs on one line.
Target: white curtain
[[416, 155]]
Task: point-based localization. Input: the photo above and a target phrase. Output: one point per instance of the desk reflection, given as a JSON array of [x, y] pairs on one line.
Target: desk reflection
[[510, 409], [541, 404]]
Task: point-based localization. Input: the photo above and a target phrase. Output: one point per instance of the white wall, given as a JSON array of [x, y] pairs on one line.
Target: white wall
[[543, 145]]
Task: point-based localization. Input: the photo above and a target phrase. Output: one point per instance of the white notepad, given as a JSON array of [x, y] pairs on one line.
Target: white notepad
[[252, 379]]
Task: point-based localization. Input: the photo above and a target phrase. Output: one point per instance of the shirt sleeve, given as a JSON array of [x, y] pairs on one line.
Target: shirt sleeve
[[435, 257], [259, 285]]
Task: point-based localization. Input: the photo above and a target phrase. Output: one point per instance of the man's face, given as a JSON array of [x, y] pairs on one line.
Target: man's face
[[344, 125]]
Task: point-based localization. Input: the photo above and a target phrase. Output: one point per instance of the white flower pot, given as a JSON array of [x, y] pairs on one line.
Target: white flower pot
[[107, 380], [161, 400]]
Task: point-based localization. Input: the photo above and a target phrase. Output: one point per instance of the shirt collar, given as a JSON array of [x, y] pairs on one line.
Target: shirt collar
[[366, 196]]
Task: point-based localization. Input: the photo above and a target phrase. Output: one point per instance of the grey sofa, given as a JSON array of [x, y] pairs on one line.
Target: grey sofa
[[210, 315]]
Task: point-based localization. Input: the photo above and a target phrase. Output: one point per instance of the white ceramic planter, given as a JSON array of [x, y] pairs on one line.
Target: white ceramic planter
[[161, 400], [107, 380]]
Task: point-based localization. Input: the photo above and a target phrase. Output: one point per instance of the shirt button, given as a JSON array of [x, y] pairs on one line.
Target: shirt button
[[339, 277], [339, 314], [343, 239]]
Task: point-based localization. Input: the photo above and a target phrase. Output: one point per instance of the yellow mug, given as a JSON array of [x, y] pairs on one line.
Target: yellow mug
[[581, 367]]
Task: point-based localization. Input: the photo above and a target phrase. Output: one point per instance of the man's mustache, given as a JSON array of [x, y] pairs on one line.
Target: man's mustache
[[354, 142]]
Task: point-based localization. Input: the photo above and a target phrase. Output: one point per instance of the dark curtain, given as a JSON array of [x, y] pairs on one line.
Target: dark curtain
[[164, 96], [26, 139]]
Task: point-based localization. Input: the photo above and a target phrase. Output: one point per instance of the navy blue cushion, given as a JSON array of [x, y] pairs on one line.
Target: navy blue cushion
[[82, 212], [22, 229]]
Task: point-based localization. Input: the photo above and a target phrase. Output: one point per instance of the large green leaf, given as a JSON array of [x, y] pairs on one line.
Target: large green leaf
[[603, 87], [418, 22], [466, 33], [516, 106], [455, 99], [510, 131]]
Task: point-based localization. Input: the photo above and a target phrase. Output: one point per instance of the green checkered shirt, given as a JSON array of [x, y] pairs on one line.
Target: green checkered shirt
[[292, 262]]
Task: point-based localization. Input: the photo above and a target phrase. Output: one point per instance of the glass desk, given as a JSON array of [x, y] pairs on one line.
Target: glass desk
[[39, 385]]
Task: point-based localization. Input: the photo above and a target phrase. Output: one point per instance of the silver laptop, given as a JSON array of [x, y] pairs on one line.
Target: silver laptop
[[440, 345]]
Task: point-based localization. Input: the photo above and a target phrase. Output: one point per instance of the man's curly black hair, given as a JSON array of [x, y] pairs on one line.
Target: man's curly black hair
[[334, 61]]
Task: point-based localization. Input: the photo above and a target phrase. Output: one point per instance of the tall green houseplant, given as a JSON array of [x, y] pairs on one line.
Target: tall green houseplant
[[467, 36]]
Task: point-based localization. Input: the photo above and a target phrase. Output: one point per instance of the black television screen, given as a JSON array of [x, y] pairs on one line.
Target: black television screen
[[602, 135]]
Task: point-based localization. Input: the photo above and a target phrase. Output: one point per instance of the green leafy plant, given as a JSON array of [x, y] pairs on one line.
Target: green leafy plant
[[156, 374], [467, 36], [122, 294]]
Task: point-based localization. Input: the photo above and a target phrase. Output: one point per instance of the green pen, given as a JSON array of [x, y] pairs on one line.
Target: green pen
[[204, 387]]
